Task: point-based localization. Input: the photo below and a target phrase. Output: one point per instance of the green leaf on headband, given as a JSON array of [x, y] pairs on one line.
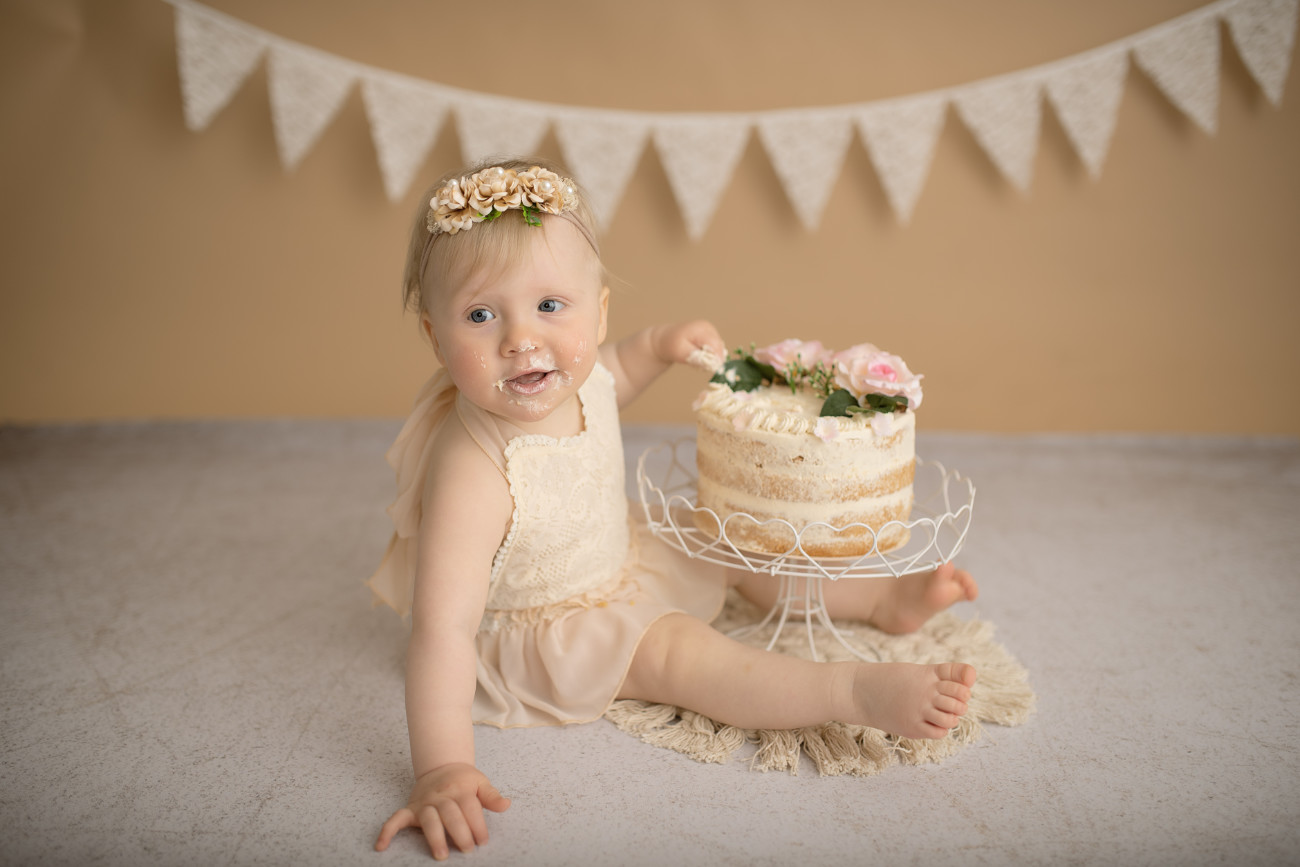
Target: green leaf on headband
[[530, 215], [492, 215]]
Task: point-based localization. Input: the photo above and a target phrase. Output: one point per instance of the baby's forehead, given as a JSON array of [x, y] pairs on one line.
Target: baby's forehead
[[545, 260], [526, 277]]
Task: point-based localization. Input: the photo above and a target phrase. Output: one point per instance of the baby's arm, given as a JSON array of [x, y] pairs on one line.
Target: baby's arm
[[465, 516], [638, 360]]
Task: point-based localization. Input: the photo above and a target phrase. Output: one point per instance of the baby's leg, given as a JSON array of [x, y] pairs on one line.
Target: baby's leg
[[894, 605], [685, 662]]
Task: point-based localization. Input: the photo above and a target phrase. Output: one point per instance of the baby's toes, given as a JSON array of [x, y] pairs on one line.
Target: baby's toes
[[948, 704], [956, 674], [941, 719], [955, 691], [967, 583]]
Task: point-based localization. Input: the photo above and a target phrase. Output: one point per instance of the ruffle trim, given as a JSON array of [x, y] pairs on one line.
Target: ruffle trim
[[620, 588]]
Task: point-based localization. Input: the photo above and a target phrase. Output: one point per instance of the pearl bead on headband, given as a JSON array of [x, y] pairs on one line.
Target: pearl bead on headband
[[485, 195]]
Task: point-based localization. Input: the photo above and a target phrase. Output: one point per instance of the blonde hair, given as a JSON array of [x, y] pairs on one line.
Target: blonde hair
[[494, 245]]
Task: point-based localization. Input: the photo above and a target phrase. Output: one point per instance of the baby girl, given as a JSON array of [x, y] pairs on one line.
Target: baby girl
[[533, 599]]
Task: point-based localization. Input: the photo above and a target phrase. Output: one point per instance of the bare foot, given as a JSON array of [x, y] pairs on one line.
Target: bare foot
[[912, 701], [914, 599]]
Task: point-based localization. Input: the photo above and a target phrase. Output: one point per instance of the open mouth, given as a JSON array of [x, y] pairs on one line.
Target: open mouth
[[532, 382]]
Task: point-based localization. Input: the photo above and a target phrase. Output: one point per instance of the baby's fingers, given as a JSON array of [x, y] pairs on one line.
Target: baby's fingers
[[403, 818], [462, 823], [492, 799], [475, 824], [706, 358], [433, 832]]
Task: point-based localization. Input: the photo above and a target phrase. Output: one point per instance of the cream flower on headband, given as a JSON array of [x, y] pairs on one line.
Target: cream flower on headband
[[484, 195], [494, 189], [449, 210], [546, 191]]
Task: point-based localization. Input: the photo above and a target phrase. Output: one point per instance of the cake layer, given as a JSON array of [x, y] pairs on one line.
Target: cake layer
[[758, 453], [751, 534]]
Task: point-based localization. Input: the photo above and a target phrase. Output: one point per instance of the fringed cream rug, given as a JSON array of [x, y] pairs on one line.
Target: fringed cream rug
[[1001, 695]]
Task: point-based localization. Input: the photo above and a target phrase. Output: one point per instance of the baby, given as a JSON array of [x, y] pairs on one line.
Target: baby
[[533, 599]]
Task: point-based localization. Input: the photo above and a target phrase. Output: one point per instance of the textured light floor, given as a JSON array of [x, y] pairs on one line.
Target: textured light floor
[[192, 673]]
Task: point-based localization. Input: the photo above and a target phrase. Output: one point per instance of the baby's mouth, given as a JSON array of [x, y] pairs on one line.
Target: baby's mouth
[[532, 382]]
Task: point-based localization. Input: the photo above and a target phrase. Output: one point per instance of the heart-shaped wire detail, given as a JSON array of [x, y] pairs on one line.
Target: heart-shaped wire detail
[[944, 501]]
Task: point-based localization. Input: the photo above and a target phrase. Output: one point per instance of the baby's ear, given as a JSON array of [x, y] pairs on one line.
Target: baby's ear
[[604, 314], [426, 325]]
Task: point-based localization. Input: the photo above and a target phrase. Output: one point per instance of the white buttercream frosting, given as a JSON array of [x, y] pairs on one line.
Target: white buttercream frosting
[[777, 409]]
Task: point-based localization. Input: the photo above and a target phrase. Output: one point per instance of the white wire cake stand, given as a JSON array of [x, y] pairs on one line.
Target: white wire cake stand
[[940, 519]]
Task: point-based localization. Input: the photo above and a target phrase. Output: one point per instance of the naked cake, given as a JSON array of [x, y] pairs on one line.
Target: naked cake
[[823, 441]]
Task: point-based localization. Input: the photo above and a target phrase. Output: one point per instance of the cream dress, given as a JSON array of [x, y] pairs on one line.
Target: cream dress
[[575, 584]]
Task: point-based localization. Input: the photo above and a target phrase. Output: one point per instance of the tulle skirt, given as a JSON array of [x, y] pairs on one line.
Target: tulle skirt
[[566, 663]]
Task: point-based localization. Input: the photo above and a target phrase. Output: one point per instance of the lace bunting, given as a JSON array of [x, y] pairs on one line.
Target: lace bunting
[[700, 151]]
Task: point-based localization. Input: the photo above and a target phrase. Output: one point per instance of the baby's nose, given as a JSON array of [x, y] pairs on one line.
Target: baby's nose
[[517, 340]]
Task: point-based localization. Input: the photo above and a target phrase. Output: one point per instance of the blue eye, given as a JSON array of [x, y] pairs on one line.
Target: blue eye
[[480, 315], [550, 305]]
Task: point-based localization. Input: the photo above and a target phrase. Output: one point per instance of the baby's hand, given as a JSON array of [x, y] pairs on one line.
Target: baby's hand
[[695, 343], [447, 803]]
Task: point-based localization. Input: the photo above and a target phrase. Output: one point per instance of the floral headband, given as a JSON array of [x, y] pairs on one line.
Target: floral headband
[[485, 195]]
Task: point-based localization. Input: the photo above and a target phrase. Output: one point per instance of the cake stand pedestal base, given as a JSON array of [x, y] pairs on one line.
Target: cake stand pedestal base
[[801, 598]]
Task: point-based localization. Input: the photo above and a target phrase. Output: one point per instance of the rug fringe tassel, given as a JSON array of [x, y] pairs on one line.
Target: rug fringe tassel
[[683, 731], [841, 749], [778, 750]]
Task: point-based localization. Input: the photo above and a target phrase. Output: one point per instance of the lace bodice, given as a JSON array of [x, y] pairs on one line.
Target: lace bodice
[[568, 534]]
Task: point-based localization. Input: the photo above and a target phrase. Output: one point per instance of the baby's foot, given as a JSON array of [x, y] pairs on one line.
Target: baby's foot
[[914, 599], [912, 701]]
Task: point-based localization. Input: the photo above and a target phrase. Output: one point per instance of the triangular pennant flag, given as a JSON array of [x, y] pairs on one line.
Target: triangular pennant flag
[[405, 117], [900, 136], [493, 127], [214, 57], [1264, 32], [307, 89], [807, 150], [699, 156], [1004, 114], [1183, 60], [1086, 93], [602, 152]]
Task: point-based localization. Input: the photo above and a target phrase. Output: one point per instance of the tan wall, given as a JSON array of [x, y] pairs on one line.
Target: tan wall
[[154, 272]]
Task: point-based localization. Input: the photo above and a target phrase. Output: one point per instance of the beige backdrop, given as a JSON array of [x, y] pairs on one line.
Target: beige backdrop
[[154, 272]]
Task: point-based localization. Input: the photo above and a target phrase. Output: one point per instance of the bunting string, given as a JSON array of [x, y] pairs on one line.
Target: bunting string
[[699, 151]]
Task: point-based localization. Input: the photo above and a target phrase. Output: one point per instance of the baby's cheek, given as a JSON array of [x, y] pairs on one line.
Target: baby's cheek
[[580, 351], [464, 356], [467, 368], [580, 347]]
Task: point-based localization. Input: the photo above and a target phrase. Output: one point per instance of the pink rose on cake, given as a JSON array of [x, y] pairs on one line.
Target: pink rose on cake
[[805, 353], [865, 369]]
